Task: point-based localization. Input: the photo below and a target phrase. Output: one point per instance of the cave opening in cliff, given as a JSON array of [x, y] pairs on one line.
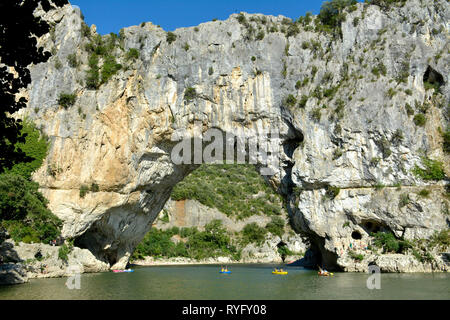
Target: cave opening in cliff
[[372, 226], [283, 250], [432, 79], [356, 235]]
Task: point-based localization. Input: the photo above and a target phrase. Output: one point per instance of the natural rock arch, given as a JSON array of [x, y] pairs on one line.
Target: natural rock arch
[[119, 136], [113, 237]]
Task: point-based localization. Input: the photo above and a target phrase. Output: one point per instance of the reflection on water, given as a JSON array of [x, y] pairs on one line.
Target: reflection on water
[[246, 282]]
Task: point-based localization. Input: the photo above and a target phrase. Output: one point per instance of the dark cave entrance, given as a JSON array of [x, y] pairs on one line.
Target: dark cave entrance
[[432, 78], [372, 226], [283, 250], [356, 235]]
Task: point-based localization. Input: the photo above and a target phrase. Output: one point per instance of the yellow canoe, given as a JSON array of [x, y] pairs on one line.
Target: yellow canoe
[[279, 272]]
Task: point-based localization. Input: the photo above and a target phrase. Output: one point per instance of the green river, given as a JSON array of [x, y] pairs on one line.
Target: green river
[[246, 282]]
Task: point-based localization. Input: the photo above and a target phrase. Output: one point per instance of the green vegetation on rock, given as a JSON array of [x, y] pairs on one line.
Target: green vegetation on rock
[[235, 189], [190, 94], [23, 211], [389, 243], [67, 99], [132, 54], [433, 170], [35, 146], [171, 37], [214, 241]]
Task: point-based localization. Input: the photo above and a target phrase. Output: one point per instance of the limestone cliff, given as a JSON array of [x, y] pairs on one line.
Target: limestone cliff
[[348, 124]]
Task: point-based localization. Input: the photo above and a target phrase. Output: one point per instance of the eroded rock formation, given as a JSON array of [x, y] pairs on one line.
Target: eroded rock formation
[[352, 131]]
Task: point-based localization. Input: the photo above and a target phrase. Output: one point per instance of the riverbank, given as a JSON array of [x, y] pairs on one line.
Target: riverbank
[[152, 261], [23, 261]]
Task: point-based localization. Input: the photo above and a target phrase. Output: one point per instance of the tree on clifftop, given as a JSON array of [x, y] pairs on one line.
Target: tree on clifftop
[[18, 49]]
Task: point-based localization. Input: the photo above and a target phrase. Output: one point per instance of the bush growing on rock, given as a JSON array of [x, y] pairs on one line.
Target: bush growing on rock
[[332, 192], [83, 191], [35, 146], [110, 67], [355, 256], [65, 250], [290, 100], [404, 200], [276, 226], [252, 233], [316, 114], [332, 12], [171, 37], [446, 138], [303, 101], [433, 170], [67, 100], [132, 54], [23, 211], [419, 120], [190, 94], [72, 59], [93, 73]]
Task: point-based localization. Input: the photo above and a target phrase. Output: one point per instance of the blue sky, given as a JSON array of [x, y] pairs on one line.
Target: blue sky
[[112, 15]]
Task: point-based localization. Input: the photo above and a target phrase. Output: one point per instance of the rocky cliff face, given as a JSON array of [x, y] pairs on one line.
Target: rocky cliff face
[[353, 129]]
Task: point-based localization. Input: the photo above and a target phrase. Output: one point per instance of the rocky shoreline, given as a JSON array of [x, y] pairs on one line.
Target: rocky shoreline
[[23, 261]]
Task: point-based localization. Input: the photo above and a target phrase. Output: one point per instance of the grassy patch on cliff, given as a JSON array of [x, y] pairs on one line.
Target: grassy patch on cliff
[[236, 190]]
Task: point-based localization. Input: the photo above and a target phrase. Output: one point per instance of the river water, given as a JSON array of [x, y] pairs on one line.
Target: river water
[[246, 282]]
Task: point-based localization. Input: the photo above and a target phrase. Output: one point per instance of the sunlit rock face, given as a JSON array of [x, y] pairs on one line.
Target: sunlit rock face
[[354, 136]]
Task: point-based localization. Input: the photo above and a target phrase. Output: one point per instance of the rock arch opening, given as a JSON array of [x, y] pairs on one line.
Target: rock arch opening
[[113, 237]]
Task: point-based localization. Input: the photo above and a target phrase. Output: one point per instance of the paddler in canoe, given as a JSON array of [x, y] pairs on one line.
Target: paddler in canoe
[[324, 272], [224, 270], [281, 271]]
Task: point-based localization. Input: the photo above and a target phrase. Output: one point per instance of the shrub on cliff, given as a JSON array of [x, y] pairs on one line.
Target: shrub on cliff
[[290, 100], [389, 243], [24, 212], [252, 233], [332, 12], [171, 37], [65, 250], [109, 68], [433, 170], [419, 120], [446, 137], [276, 226], [35, 146], [190, 94], [93, 73], [72, 60], [67, 100], [132, 54]]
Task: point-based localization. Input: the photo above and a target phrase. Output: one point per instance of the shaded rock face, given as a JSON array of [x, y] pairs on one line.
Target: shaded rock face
[[120, 136]]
